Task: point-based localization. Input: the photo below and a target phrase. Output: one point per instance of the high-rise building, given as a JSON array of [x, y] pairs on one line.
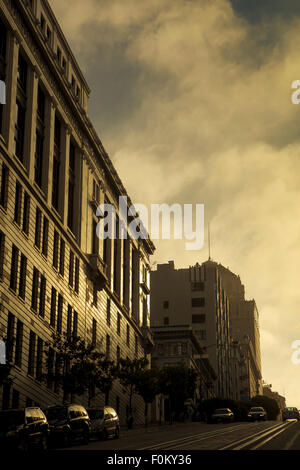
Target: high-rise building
[[210, 299], [56, 275]]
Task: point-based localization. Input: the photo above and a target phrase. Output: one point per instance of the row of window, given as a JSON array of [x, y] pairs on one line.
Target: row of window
[[119, 320], [21, 147], [22, 201], [195, 302]]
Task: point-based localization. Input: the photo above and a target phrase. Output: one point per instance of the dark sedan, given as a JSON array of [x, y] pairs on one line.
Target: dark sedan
[[257, 413], [222, 415]]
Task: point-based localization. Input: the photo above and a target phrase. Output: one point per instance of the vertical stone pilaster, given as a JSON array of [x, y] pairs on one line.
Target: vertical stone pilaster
[[64, 173], [10, 117], [49, 146], [30, 141]]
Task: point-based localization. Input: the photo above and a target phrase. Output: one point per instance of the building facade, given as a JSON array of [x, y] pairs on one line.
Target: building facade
[[56, 275], [202, 297], [176, 345]]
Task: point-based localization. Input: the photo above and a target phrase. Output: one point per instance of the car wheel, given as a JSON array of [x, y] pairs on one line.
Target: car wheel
[[44, 442], [117, 433], [24, 446], [66, 440], [86, 436]]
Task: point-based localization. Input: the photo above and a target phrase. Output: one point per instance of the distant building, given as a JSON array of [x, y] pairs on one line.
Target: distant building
[[179, 345], [226, 325]]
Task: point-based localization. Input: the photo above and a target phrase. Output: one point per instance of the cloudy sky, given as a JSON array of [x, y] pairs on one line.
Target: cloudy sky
[[192, 101]]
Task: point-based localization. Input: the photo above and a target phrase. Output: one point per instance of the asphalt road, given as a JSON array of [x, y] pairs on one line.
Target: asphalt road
[[270, 435]]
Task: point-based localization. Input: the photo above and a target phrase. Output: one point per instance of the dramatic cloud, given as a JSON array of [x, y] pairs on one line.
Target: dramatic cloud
[[192, 101]]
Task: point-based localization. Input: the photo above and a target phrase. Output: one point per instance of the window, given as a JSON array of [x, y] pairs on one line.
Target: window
[[56, 164], [118, 353], [26, 214], [166, 320], [119, 324], [18, 203], [3, 43], [38, 228], [22, 280], [31, 356], [21, 107], [198, 302], [165, 304], [108, 314], [197, 286], [48, 33], [62, 258], [2, 246], [19, 344], [59, 313], [201, 334], [45, 237], [198, 318], [69, 322], [77, 265], [43, 23], [40, 136], [71, 190], [95, 241], [39, 359], [35, 288], [136, 346], [94, 332], [58, 54], [128, 335], [55, 249], [75, 324], [107, 346], [15, 399], [4, 186], [42, 297], [71, 269], [10, 337], [20, 131], [14, 268], [53, 307]]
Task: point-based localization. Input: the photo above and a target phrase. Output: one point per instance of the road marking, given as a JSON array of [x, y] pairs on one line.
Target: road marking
[[196, 437], [256, 437], [268, 439], [291, 442]]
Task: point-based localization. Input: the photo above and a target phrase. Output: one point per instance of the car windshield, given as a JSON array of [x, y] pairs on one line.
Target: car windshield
[[10, 419], [95, 414], [257, 409], [221, 411], [54, 414], [290, 409]]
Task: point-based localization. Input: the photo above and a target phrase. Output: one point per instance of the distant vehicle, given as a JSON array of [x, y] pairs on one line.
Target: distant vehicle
[[68, 423], [290, 413], [104, 422], [257, 413], [223, 415], [23, 429]]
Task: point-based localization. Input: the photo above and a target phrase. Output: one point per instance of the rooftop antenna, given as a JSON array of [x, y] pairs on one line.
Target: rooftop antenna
[[209, 258]]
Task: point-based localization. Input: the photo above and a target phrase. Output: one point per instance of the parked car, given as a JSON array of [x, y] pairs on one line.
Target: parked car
[[257, 413], [24, 429], [104, 422], [223, 415], [290, 413], [68, 423]]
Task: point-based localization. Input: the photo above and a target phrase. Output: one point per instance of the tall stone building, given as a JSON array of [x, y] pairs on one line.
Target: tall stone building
[[56, 275], [204, 296]]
